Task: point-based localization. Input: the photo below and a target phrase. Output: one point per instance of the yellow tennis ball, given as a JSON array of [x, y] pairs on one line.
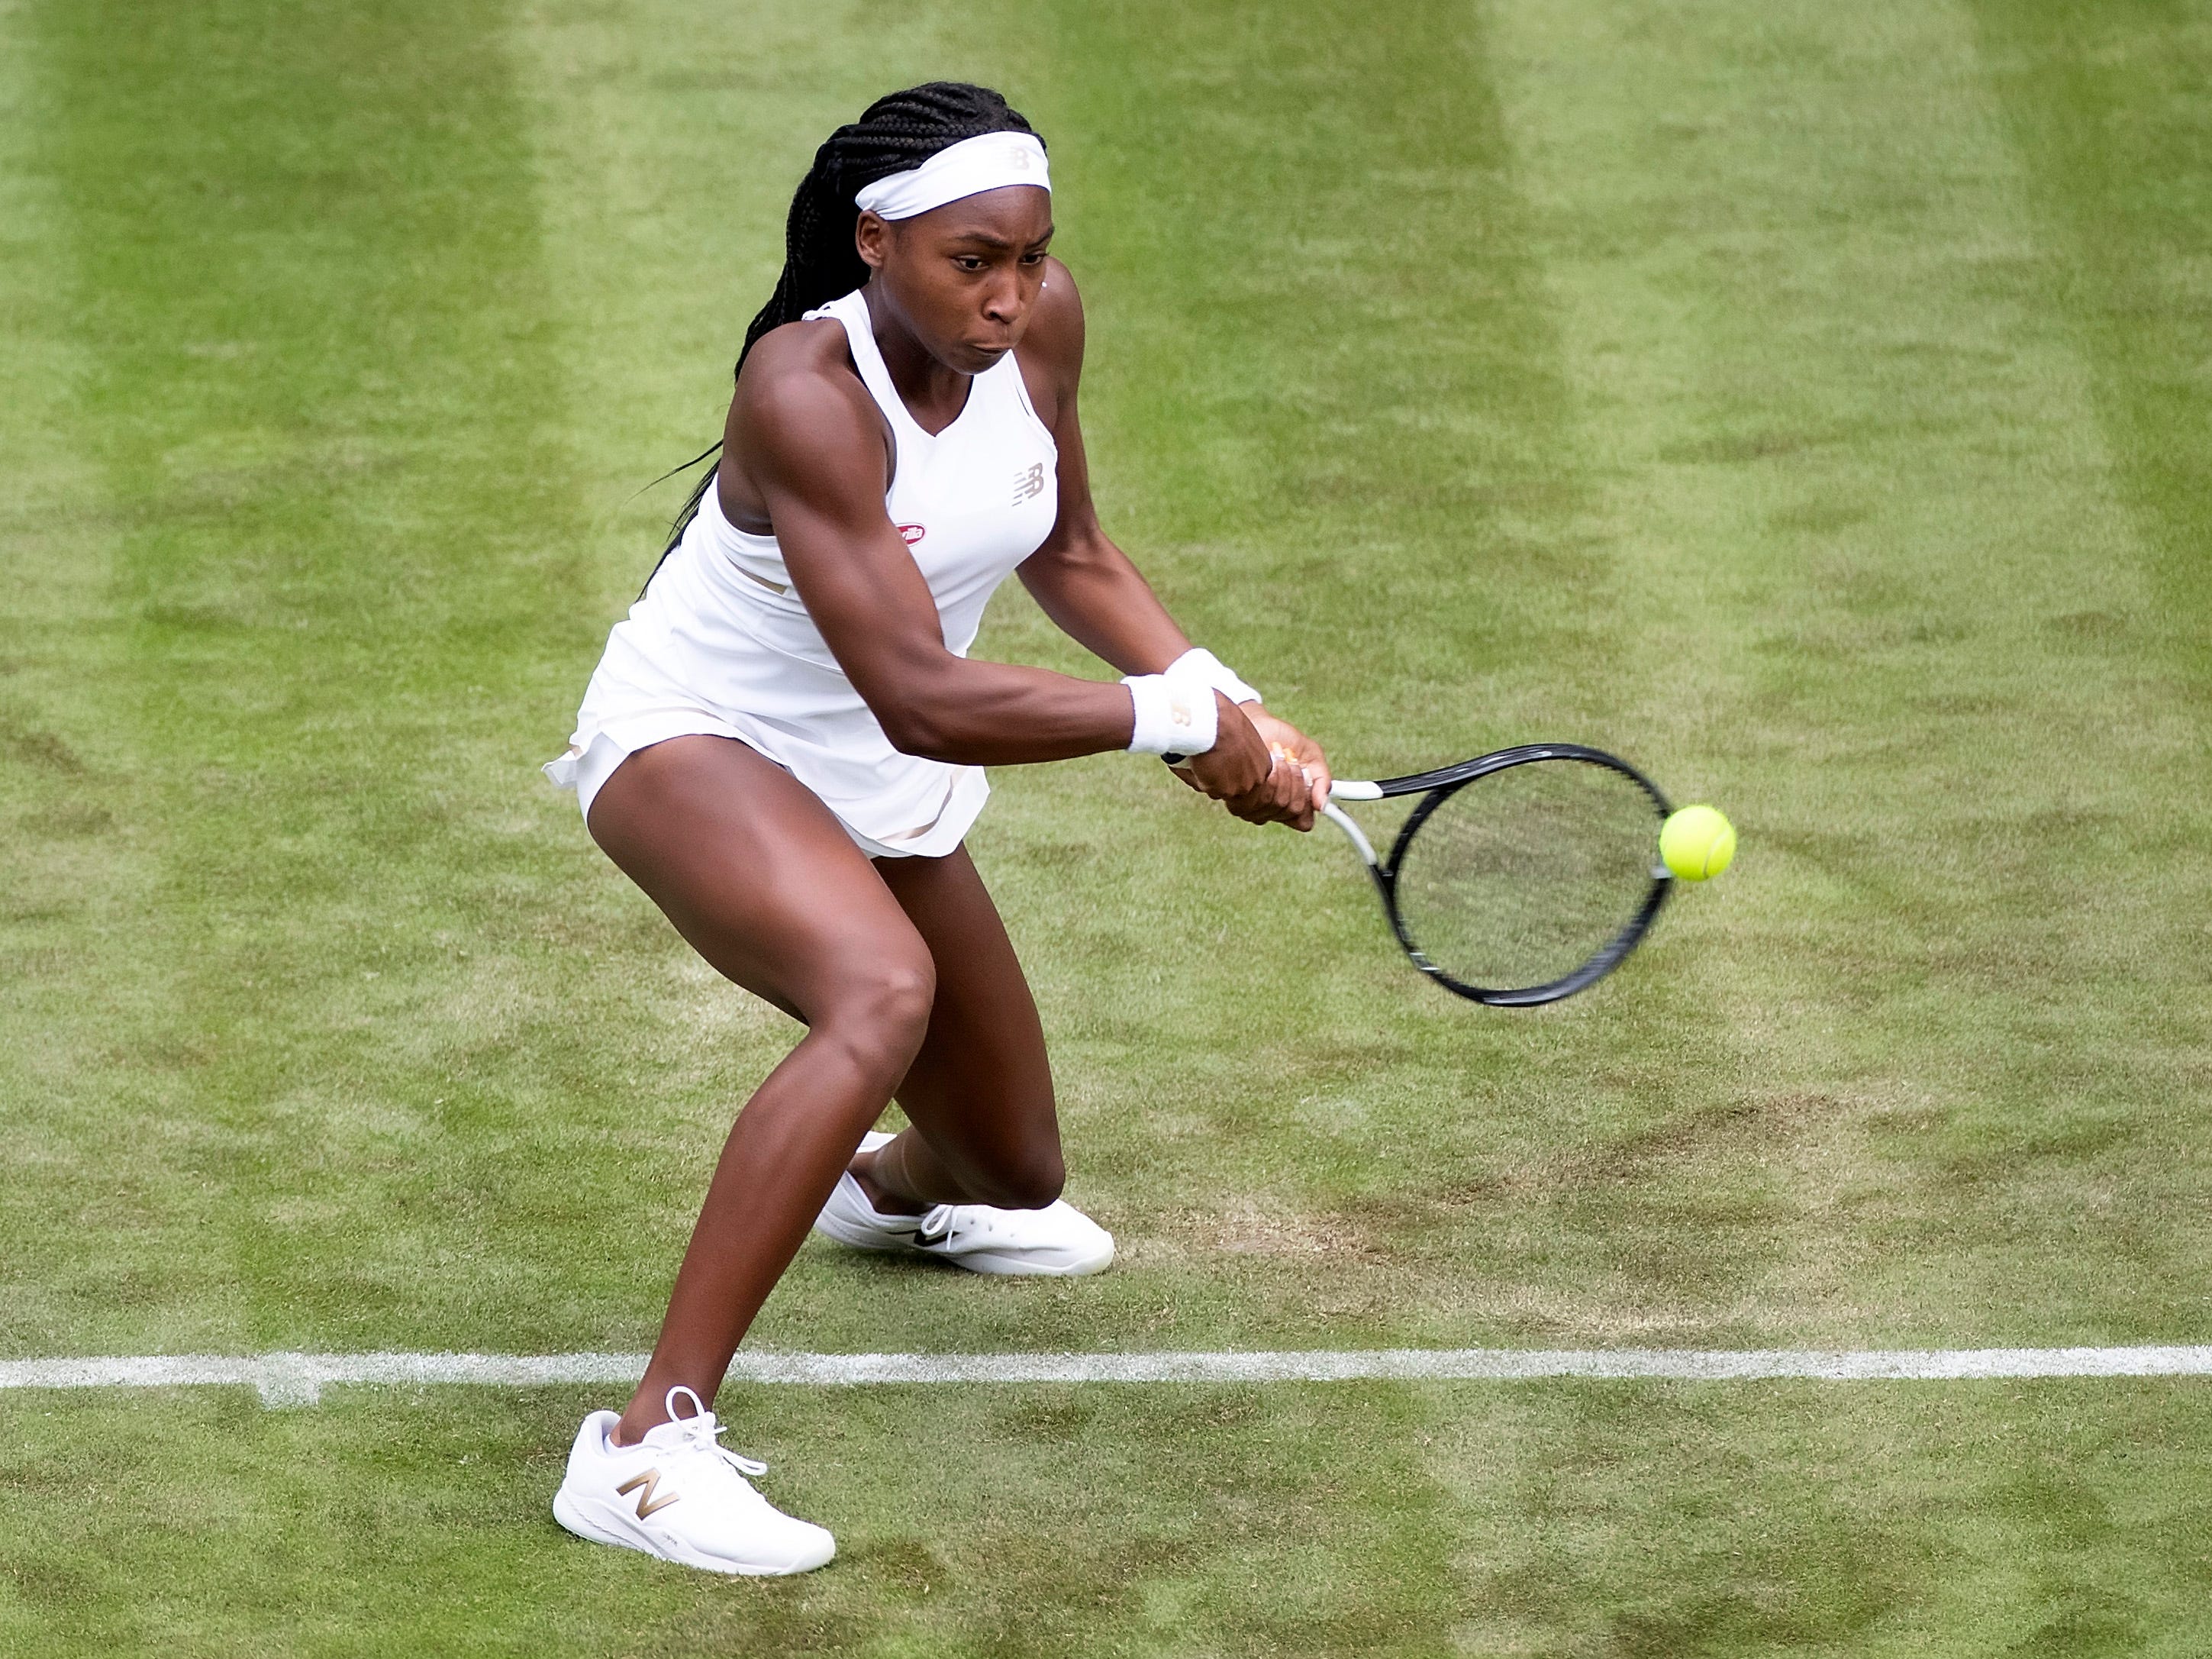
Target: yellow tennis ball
[[1697, 843]]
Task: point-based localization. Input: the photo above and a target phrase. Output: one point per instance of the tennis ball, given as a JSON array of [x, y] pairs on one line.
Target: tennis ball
[[1697, 843]]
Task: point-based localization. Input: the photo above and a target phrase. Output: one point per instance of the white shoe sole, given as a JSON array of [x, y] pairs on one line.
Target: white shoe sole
[[571, 1516], [864, 1239], [1013, 1264], [1024, 1266]]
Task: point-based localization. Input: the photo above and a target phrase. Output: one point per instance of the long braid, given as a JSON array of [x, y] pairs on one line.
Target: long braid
[[895, 134]]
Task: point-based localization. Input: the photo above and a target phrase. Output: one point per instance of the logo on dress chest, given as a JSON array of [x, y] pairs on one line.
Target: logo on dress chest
[[911, 533], [1029, 484]]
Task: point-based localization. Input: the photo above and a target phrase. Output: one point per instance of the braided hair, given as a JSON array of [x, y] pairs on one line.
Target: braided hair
[[896, 134]]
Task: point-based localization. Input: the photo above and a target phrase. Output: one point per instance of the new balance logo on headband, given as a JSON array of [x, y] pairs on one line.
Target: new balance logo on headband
[[1029, 484]]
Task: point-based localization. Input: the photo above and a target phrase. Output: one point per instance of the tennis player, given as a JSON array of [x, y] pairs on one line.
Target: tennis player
[[783, 746]]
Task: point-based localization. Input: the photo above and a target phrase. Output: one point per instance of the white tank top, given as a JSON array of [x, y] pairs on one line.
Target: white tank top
[[721, 624]]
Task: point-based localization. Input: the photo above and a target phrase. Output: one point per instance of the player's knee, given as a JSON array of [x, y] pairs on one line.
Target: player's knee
[[882, 1008], [1029, 1180]]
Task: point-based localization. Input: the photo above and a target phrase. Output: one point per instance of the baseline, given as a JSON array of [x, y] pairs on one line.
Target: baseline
[[298, 1379]]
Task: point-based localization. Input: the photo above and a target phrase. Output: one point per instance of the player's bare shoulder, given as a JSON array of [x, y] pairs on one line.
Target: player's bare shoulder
[[802, 373], [1051, 351], [1054, 334], [800, 405]]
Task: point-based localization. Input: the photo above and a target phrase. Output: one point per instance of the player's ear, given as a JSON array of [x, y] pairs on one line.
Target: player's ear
[[872, 238]]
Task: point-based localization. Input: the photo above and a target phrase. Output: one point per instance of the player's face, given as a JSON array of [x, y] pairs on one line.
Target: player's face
[[963, 277]]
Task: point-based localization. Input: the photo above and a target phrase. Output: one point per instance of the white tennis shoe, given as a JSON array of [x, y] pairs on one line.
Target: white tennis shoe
[[679, 1495], [1059, 1240]]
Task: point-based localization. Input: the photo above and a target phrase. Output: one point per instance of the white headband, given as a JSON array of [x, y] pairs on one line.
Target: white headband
[[990, 161]]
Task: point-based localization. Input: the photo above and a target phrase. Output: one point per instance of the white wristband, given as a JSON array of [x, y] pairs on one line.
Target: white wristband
[[1174, 717], [1204, 666]]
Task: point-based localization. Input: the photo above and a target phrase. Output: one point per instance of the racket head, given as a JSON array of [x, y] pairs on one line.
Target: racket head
[[1523, 876]]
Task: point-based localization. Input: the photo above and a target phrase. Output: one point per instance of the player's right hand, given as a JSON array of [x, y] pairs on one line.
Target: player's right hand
[[1244, 775]]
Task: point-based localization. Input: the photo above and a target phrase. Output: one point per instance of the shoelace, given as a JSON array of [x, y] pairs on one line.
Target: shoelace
[[970, 1219], [701, 1433]]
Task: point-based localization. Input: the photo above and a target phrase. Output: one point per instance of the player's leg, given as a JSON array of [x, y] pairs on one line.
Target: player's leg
[[759, 878], [986, 1138], [979, 1090]]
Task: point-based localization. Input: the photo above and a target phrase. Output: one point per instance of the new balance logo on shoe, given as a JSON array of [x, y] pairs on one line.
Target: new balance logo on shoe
[[1029, 484], [646, 1505]]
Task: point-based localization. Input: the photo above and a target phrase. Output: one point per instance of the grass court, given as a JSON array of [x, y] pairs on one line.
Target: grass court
[[1808, 402]]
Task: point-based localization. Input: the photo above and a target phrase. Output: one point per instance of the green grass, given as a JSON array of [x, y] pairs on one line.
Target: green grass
[[1808, 402]]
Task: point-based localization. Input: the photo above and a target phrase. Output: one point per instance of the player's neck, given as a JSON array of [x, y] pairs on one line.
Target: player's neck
[[933, 392]]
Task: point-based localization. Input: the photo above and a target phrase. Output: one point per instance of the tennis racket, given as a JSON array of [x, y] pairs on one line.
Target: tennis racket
[[1519, 878]]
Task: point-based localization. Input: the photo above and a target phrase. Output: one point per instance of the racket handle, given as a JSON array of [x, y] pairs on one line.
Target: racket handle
[[1354, 789]]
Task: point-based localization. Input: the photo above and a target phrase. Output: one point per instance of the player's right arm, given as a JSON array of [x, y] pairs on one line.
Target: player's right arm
[[812, 446]]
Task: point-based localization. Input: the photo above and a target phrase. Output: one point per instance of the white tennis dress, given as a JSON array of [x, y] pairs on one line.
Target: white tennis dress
[[721, 643]]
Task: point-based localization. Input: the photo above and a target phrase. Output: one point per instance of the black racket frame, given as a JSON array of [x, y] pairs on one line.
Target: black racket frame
[[1438, 786]]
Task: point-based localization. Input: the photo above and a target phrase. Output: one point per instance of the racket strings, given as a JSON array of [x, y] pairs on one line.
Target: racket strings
[[1519, 878]]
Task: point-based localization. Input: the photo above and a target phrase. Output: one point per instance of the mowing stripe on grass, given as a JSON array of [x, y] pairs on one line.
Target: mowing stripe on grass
[[297, 1379]]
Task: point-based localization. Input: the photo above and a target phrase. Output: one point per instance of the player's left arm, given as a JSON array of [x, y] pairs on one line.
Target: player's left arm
[[1092, 589]]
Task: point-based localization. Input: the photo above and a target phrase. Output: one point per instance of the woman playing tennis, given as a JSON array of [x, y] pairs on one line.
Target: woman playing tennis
[[783, 747]]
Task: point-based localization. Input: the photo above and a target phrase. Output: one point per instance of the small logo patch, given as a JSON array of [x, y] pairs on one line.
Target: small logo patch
[[911, 533], [1029, 484]]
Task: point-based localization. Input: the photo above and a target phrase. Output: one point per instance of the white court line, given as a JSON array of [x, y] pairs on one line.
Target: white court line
[[298, 1379]]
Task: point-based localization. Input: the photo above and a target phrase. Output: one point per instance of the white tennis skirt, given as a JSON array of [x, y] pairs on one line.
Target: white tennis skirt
[[698, 654]]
